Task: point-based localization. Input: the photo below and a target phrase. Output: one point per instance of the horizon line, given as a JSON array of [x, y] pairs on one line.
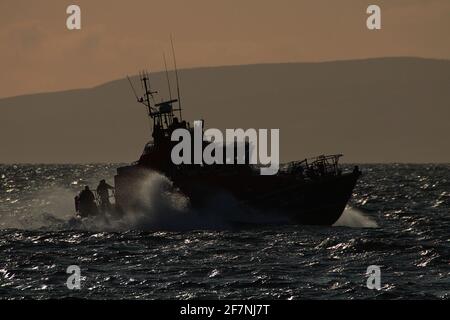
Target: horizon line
[[281, 163]]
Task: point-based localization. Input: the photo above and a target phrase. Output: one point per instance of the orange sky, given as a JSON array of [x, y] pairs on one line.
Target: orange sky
[[117, 38]]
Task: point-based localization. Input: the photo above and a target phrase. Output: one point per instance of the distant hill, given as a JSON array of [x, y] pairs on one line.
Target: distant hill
[[376, 110]]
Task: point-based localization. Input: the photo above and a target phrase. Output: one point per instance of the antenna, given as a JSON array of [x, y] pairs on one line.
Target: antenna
[[176, 75], [132, 88], [167, 76]]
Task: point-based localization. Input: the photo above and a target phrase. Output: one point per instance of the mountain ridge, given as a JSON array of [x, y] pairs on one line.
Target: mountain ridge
[[398, 106]]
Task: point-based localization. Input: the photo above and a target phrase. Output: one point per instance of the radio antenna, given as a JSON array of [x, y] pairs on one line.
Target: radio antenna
[[167, 76], [132, 88], [176, 76], [141, 75]]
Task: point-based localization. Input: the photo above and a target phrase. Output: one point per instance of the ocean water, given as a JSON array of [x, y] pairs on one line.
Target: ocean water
[[398, 219]]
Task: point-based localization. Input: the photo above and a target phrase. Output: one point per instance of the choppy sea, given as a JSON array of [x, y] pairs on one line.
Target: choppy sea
[[398, 219]]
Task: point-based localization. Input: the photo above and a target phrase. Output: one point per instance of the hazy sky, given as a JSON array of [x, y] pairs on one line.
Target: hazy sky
[[38, 53]]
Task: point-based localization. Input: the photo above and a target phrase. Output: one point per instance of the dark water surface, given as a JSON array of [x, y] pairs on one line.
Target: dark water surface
[[399, 219]]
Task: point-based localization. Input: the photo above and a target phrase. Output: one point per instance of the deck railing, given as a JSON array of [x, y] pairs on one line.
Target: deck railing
[[324, 165]]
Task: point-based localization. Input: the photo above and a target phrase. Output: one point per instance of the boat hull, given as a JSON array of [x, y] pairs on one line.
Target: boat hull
[[310, 202], [315, 203]]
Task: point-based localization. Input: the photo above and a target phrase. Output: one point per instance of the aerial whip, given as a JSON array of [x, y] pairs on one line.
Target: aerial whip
[[176, 75], [132, 88], [167, 76]]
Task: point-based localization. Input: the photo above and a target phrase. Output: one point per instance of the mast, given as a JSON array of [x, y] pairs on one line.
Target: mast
[[162, 113], [147, 92]]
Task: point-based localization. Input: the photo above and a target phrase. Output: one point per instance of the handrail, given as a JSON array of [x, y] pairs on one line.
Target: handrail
[[316, 166]]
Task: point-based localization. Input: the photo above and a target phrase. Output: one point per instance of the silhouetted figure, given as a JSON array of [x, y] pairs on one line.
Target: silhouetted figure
[[85, 203], [103, 194]]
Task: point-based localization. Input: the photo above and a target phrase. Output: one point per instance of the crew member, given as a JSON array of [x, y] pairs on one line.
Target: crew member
[[103, 194], [86, 203]]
